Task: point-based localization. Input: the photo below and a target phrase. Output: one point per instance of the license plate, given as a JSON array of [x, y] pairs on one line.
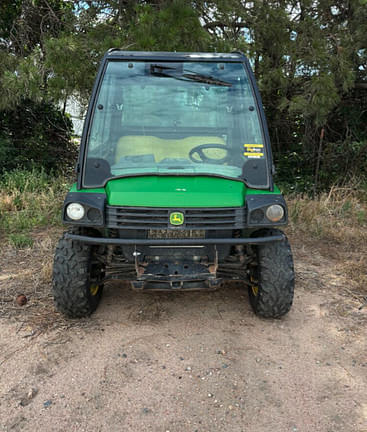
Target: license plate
[[175, 234]]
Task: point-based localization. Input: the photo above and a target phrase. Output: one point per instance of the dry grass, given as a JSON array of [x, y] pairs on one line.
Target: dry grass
[[28, 271], [29, 200], [357, 270], [339, 216], [336, 224]]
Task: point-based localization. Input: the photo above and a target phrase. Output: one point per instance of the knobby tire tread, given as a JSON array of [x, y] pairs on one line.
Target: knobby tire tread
[[275, 278], [71, 274]]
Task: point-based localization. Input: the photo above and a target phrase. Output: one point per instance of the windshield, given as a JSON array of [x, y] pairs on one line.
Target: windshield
[[189, 118]]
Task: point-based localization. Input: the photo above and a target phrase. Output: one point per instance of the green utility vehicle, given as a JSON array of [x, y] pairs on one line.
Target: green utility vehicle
[[174, 185]]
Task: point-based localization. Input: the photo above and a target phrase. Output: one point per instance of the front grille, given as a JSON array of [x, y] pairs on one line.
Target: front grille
[[158, 218]]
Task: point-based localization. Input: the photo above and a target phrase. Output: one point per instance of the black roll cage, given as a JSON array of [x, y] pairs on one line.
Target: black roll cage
[[116, 54]]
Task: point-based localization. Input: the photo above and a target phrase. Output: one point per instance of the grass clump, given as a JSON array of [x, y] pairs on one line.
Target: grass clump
[[28, 200], [339, 216], [21, 241], [336, 225]]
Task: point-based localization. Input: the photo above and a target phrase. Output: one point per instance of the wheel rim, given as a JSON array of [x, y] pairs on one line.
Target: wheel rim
[[255, 290], [254, 286], [94, 288]]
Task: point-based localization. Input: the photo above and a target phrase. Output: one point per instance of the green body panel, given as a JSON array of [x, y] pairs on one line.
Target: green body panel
[[167, 191], [172, 191]]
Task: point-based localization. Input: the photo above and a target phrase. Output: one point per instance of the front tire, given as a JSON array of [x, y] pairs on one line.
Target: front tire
[[272, 277], [76, 280]]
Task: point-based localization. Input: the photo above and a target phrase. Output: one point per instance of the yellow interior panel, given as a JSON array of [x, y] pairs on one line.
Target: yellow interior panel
[[134, 145]]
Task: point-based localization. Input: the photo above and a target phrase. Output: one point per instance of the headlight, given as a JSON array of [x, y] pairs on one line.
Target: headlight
[[75, 211], [275, 212]]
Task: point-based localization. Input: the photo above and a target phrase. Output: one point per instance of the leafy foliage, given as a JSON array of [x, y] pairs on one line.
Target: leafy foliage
[[309, 57], [36, 135], [175, 26]]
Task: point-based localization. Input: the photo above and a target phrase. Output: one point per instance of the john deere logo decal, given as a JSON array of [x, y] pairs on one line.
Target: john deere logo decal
[[176, 218]]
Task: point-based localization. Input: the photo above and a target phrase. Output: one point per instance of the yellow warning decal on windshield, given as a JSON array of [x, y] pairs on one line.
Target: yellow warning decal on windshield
[[253, 150], [254, 155]]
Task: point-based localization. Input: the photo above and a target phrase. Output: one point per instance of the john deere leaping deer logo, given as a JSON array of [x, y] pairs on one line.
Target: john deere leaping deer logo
[[176, 218]]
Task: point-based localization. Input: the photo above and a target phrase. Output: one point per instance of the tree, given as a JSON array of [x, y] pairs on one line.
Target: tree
[[309, 57]]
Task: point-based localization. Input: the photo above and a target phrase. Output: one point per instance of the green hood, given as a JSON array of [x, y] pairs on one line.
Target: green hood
[[172, 191]]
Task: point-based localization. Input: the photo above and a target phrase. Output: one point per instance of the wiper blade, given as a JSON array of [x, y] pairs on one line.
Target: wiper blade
[[206, 79], [160, 71]]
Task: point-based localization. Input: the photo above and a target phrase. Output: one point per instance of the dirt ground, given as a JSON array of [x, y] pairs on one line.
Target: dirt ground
[[183, 362]]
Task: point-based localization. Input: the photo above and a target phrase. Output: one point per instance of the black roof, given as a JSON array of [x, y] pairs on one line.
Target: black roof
[[115, 53]]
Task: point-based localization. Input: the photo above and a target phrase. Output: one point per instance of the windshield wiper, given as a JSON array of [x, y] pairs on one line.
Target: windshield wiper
[[160, 71], [206, 79]]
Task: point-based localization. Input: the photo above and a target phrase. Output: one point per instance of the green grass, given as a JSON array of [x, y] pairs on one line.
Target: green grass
[[21, 241], [29, 200]]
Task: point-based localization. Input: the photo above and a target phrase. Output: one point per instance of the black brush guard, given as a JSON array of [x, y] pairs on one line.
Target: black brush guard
[[171, 276], [173, 241]]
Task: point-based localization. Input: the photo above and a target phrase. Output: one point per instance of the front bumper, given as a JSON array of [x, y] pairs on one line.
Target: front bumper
[[174, 241]]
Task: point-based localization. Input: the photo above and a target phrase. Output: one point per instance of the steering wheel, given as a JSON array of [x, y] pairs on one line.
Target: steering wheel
[[203, 158]]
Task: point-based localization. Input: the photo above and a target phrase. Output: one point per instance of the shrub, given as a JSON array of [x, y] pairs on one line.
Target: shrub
[[36, 134]]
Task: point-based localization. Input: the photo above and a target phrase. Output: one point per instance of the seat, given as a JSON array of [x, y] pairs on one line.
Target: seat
[[135, 145]]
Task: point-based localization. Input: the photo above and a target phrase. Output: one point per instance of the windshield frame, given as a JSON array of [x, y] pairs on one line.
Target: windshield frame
[[115, 55]]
